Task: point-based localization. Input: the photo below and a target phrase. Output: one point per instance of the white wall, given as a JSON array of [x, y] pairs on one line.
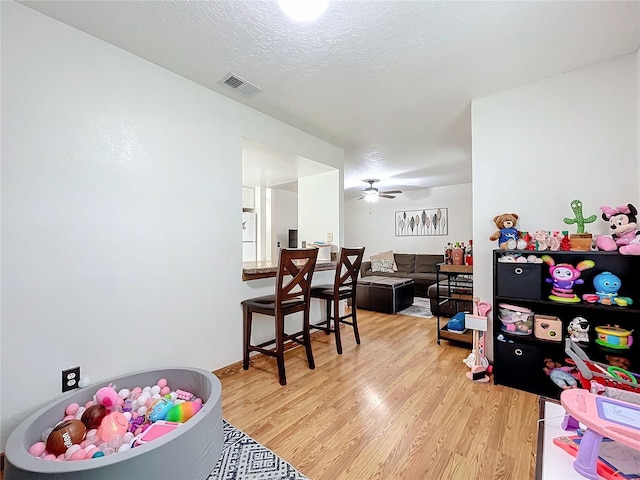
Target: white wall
[[373, 225], [319, 203], [537, 147], [284, 216], [120, 204]]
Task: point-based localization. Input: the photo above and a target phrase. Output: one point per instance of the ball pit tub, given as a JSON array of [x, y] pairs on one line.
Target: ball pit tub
[[189, 452]]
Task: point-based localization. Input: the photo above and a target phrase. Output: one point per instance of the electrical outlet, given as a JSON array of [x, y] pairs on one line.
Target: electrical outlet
[[70, 379], [329, 237]]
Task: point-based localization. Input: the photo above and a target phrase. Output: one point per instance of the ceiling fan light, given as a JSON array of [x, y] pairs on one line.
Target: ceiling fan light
[[371, 198], [303, 10]]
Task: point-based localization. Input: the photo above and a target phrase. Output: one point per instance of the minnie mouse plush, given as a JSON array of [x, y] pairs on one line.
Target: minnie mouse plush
[[625, 235]]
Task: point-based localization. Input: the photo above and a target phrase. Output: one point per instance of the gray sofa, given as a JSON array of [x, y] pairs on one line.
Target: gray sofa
[[421, 268]]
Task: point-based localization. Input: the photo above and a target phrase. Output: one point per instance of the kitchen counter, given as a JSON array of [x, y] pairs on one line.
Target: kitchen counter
[[266, 269]]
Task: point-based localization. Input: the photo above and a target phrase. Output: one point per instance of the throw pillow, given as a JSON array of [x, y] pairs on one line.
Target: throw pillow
[[385, 256], [382, 265]]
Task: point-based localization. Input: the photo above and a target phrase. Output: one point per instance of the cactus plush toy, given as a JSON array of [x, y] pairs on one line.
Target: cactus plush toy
[[576, 206]]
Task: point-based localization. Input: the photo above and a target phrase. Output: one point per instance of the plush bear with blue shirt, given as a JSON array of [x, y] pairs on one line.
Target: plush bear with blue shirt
[[508, 236]]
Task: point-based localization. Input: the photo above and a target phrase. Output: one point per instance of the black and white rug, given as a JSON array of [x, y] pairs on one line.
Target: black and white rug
[[421, 308], [243, 458]]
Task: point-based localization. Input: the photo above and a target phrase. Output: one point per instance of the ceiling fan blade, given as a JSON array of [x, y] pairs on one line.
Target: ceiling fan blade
[[383, 195], [391, 191], [360, 198]]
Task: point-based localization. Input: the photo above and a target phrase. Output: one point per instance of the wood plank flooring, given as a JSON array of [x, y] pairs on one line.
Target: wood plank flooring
[[396, 407]]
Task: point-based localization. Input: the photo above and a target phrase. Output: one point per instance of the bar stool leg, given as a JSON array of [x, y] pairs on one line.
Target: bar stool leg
[[354, 320], [307, 340], [327, 331], [336, 325], [279, 353], [246, 334]]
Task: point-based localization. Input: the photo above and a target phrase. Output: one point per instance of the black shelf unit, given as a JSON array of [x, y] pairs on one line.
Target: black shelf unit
[[518, 359]]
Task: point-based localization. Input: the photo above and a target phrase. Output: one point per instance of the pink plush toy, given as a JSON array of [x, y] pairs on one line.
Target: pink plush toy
[[107, 396], [623, 224]]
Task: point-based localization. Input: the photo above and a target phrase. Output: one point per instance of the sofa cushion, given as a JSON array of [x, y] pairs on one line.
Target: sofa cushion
[[405, 261], [382, 265], [427, 263], [388, 255]]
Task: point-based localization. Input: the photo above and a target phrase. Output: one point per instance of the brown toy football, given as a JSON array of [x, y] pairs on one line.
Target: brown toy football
[[64, 435], [92, 416]]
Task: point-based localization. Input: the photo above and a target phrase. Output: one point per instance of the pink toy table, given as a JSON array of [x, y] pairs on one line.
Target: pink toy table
[[603, 417]]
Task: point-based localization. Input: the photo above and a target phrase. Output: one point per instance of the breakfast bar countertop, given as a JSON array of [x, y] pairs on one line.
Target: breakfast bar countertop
[[266, 269]]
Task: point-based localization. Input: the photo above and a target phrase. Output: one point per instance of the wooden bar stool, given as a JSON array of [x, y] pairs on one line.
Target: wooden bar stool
[[343, 288], [293, 288]]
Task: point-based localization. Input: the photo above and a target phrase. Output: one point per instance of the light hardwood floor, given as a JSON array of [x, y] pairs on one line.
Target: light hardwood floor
[[396, 407]]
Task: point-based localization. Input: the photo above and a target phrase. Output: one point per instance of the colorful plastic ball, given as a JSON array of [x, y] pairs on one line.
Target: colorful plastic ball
[[124, 393], [37, 449], [91, 451], [71, 409], [71, 450], [113, 424], [64, 435], [164, 390], [98, 454], [162, 382], [124, 447], [69, 417], [183, 411], [49, 456], [78, 455]]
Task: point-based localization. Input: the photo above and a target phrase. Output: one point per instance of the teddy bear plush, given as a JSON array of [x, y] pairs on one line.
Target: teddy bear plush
[[623, 224], [507, 235]]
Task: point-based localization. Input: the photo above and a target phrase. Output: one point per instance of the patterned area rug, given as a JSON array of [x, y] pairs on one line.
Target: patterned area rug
[[245, 459], [420, 308]]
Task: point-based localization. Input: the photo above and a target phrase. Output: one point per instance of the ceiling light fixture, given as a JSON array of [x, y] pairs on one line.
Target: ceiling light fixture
[[371, 197], [303, 10]]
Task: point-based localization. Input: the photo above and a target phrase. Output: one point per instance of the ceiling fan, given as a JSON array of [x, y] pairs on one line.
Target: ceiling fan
[[371, 193]]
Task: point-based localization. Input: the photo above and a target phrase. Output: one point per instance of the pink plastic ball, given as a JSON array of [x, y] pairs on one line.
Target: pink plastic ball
[[78, 455], [136, 392], [69, 417], [90, 403], [91, 451], [162, 382], [198, 400], [60, 458], [164, 390], [37, 449], [71, 450], [50, 457], [72, 409]]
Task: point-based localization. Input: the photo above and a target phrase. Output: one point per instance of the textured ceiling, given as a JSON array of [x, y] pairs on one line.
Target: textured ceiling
[[389, 81]]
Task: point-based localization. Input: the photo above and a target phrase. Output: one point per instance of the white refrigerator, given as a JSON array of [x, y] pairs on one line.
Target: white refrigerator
[[249, 253]]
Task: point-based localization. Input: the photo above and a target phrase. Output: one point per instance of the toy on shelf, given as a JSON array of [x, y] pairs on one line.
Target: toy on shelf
[[590, 371], [580, 240], [578, 330], [564, 276], [625, 235], [607, 285], [559, 374], [515, 320], [565, 243], [507, 235], [477, 322], [614, 337], [579, 220]]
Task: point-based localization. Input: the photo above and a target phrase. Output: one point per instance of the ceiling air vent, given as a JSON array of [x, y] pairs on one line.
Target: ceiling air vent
[[240, 85]]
